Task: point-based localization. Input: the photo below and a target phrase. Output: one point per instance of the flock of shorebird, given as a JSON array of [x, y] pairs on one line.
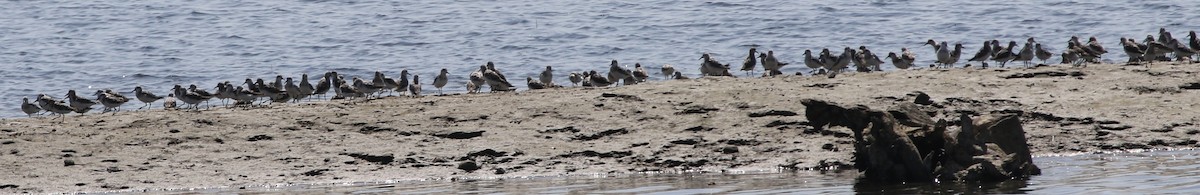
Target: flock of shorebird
[[286, 89]]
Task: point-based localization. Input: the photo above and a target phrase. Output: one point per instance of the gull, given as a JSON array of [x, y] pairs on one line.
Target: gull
[[982, 56], [443, 78], [616, 72], [547, 76], [476, 80], [771, 65], [679, 76], [1025, 55], [494, 80], [415, 87], [109, 101], [306, 88], [402, 82], [29, 108], [749, 63], [710, 66], [55, 106], [323, 85], [1041, 53], [292, 90], [1005, 54], [145, 96], [812, 62], [80, 105], [943, 54], [1132, 50], [639, 74], [575, 78], [534, 84], [668, 70], [598, 81]]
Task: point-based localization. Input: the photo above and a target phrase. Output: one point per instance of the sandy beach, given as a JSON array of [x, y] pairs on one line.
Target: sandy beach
[[708, 124]]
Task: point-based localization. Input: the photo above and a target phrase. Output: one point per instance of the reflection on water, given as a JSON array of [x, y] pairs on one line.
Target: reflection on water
[[1116, 173]]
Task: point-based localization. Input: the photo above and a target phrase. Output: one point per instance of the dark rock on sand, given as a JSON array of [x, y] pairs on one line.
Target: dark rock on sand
[[469, 166], [601, 134], [992, 149], [459, 134], [378, 159], [259, 138], [772, 113]]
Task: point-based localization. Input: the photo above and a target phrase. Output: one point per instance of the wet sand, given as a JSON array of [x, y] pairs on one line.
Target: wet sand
[[706, 124]]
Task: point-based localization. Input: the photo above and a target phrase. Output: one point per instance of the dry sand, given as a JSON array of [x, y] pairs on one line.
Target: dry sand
[[707, 124]]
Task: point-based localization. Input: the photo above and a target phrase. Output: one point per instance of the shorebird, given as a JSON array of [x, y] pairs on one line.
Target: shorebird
[[869, 59], [1132, 50], [401, 83], [996, 49], [534, 84], [943, 54], [55, 106], [169, 102], [1159, 54], [145, 96], [547, 77], [476, 80], [366, 88], [415, 87], [348, 91], [639, 74], [956, 54], [710, 66], [80, 105], [29, 108], [679, 76], [189, 98], [750, 62], [1041, 53], [494, 80], [900, 62], [668, 70], [42, 104], [841, 62], [1182, 52], [292, 90], [241, 96], [203, 94], [443, 78], [1005, 54], [771, 65], [596, 80], [268, 91], [813, 63], [1193, 41], [224, 92], [616, 72], [982, 56], [1095, 46], [935, 45], [1025, 55], [278, 84], [1080, 54], [323, 85], [385, 84], [109, 101], [472, 88], [306, 88], [1069, 56], [492, 68], [1164, 36], [575, 78]]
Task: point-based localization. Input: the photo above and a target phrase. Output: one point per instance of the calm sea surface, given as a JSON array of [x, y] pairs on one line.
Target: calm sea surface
[[50, 46], [1160, 172]]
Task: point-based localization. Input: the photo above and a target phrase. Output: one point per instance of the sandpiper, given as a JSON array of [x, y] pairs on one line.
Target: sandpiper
[[575, 78], [812, 62], [982, 56], [145, 96], [935, 45], [243, 96], [55, 106], [1193, 41], [306, 88], [443, 78], [1094, 45], [1041, 53], [1182, 52], [598, 81], [680, 76], [956, 53], [534, 84], [841, 62], [385, 84], [169, 102], [492, 67], [547, 77], [366, 88], [323, 85], [292, 90], [402, 82], [224, 92], [109, 101], [639, 73], [348, 91], [472, 88], [494, 81], [616, 72], [710, 66], [1025, 55], [203, 94], [476, 79], [188, 98], [1132, 50], [943, 54], [268, 91], [771, 65], [415, 87], [1005, 54], [900, 63], [750, 62], [80, 105], [668, 70], [29, 108]]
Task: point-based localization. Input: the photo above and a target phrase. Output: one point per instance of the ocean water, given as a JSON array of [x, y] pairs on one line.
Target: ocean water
[[51, 46], [1157, 172]]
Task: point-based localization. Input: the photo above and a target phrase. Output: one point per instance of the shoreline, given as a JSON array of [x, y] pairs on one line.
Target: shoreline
[[705, 124]]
